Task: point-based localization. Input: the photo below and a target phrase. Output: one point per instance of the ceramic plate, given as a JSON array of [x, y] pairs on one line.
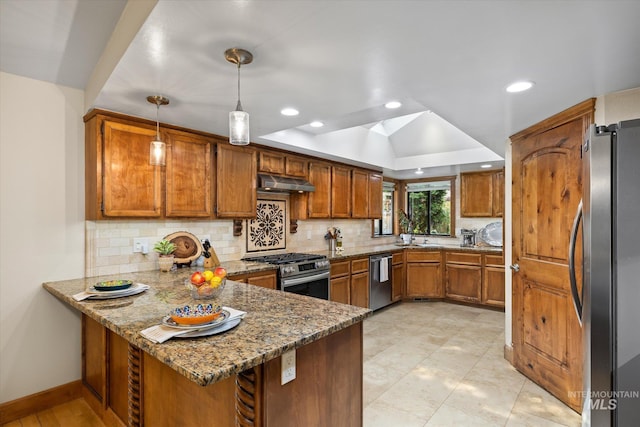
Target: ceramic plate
[[491, 234], [112, 285], [135, 289], [212, 331], [122, 291], [167, 321]]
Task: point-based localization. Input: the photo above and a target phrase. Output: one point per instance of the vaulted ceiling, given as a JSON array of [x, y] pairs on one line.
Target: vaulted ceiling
[[447, 62]]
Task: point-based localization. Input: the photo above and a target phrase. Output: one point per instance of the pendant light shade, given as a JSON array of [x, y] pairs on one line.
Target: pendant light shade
[[157, 148], [238, 119]]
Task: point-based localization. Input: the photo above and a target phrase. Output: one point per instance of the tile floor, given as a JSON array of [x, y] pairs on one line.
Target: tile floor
[[441, 364]]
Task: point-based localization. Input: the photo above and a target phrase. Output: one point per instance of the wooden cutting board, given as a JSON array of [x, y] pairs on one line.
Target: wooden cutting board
[[188, 247]]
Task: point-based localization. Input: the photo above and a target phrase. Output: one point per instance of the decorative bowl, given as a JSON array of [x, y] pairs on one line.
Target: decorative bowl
[[195, 314], [207, 290], [112, 285]]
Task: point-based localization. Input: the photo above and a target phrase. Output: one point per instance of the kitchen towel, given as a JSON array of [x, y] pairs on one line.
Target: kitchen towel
[[384, 269], [161, 333], [133, 290]]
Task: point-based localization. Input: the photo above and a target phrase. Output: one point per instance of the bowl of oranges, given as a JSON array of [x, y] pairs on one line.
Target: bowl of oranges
[[207, 284]]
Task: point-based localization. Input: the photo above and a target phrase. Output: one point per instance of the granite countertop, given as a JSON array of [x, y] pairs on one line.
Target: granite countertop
[[275, 321], [372, 250]]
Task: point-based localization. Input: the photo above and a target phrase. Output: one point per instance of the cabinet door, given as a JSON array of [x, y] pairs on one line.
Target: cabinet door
[[94, 352], [271, 162], [463, 282], [131, 186], [188, 175], [320, 200], [268, 281], [375, 196], [340, 290], [476, 194], [296, 166], [493, 286], [236, 177], [360, 194], [424, 280], [498, 193], [360, 289], [340, 192], [397, 281]]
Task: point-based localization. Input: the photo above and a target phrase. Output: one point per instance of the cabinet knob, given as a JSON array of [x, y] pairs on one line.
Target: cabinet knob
[[515, 267]]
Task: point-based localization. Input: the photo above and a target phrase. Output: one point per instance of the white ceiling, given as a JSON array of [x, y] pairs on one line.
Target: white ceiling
[[339, 62]]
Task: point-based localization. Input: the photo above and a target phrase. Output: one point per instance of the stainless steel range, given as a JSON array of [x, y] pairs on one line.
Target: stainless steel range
[[304, 274]]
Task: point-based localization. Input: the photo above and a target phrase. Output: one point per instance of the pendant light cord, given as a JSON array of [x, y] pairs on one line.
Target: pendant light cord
[[239, 105], [157, 122]]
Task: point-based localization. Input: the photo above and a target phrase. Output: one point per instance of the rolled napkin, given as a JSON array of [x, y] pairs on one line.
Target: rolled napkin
[[134, 290], [161, 333]]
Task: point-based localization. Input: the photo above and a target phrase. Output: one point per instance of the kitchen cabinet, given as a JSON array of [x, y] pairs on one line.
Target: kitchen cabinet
[[482, 194], [360, 282], [340, 192], [397, 276], [463, 276], [360, 194], [424, 274], [277, 163], [493, 281], [319, 201], [340, 282], [119, 181], [236, 182], [265, 279], [296, 166], [375, 196], [188, 182]]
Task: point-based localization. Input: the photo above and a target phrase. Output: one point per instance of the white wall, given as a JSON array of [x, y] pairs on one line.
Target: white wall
[[41, 232]]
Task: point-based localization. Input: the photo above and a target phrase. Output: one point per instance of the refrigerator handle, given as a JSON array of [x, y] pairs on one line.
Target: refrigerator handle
[[577, 299]]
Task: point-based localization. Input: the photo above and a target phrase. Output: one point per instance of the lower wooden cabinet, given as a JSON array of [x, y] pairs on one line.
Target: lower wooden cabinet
[[424, 274], [360, 282], [463, 282], [493, 281], [397, 276], [265, 279], [340, 290]]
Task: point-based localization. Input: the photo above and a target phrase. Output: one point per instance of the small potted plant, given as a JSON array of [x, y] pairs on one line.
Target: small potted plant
[[406, 226], [165, 250]]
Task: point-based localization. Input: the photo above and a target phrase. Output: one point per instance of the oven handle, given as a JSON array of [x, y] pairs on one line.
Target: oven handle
[[305, 279]]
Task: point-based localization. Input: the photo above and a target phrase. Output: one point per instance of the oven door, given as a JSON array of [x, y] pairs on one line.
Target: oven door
[[313, 285]]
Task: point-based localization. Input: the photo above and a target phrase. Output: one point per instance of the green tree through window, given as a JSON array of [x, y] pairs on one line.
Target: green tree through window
[[430, 211]]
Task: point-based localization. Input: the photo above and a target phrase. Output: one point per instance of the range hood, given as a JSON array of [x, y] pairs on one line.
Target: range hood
[[283, 184]]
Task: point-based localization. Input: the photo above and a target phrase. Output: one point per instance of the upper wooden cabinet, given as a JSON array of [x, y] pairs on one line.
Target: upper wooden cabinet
[[360, 194], [119, 181], [188, 175], [282, 164], [482, 194], [375, 196], [319, 201], [340, 192], [236, 182]]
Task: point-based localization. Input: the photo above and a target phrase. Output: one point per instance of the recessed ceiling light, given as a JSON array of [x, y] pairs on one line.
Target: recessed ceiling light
[[393, 104], [419, 171], [289, 112], [316, 124], [519, 86], [485, 166]]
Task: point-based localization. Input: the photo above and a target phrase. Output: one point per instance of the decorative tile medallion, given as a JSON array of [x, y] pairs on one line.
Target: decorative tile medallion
[[267, 231]]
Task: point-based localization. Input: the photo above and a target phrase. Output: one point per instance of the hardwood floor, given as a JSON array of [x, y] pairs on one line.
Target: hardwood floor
[[72, 414]]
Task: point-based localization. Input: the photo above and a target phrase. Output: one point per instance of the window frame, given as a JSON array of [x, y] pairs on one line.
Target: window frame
[[452, 184]]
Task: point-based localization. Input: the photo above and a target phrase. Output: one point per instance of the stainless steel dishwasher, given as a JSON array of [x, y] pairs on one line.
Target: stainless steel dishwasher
[[379, 281]]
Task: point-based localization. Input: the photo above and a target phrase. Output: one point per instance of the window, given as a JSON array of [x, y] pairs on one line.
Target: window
[[430, 206], [384, 227]]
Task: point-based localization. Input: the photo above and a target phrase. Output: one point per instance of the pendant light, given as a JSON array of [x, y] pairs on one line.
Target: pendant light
[[238, 119], [157, 148]]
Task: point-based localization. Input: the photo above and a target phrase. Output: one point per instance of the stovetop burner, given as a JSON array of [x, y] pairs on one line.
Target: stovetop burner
[[287, 258]]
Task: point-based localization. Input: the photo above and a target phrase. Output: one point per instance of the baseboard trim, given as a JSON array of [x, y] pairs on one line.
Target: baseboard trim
[[23, 406], [508, 353]]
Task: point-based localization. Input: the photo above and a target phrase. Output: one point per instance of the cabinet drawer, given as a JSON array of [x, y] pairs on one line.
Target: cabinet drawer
[[423, 256], [397, 258], [495, 260], [340, 268], [464, 258], [359, 265]]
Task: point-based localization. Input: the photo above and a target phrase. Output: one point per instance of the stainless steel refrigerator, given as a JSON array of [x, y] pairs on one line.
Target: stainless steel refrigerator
[[608, 304]]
